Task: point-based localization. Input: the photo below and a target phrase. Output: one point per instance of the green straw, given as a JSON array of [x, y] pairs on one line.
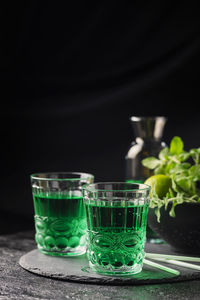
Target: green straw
[[173, 257], [178, 263], [161, 267]]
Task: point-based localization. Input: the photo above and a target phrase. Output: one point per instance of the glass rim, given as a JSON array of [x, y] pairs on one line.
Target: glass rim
[[86, 175], [91, 187]]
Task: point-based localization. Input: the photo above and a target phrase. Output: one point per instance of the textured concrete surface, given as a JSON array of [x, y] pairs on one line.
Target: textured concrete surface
[[17, 283]]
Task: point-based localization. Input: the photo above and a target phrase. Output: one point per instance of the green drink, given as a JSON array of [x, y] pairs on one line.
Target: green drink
[[60, 224], [117, 236], [151, 235], [60, 218], [116, 226]]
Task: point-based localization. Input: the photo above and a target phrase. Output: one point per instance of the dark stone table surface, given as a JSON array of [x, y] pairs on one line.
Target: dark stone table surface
[[17, 283]]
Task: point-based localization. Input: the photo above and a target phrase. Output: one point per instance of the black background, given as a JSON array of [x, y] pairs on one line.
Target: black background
[[74, 73]]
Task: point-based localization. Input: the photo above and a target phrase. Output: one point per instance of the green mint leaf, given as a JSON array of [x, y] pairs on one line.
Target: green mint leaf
[[171, 193], [176, 146], [150, 162], [164, 153], [195, 153], [185, 176], [172, 211], [183, 156], [174, 184], [180, 168], [157, 213], [184, 183], [159, 170], [194, 171], [170, 166]]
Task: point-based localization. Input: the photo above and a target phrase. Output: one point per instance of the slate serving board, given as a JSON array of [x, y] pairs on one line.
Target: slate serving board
[[77, 269]]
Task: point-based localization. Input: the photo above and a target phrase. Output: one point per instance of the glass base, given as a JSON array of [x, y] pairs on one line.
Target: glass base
[[71, 252], [123, 271]]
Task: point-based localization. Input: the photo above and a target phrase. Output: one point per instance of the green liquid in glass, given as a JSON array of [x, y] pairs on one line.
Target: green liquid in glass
[[151, 235], [60, 223], [117, 237]]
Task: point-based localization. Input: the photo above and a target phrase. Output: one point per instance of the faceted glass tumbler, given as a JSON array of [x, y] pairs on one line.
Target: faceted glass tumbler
[[116, 218], [60, 218]]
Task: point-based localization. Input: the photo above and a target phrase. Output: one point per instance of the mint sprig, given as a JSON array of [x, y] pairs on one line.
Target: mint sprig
[[184, 170]]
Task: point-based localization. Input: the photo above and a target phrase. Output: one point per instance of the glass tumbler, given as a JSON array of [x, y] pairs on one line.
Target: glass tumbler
[[116, 218], [60, 218]]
